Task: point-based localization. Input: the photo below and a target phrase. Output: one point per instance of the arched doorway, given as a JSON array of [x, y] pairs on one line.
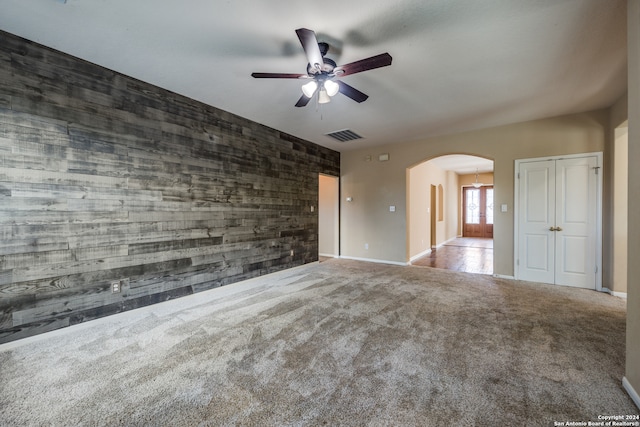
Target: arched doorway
[[447, 196]]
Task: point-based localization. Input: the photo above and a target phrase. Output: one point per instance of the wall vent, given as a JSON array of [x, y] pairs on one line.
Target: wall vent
[[344, 135]]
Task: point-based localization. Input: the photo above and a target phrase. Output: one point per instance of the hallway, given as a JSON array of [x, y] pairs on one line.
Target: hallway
[[467, 254]]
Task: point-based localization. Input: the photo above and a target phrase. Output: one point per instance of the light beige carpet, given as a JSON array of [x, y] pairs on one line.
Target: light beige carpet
[[336, 343]]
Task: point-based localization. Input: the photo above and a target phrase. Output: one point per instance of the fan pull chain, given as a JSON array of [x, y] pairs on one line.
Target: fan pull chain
[[319, 108]]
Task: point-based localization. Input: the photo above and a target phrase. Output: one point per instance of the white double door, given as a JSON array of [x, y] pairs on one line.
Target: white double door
[[557, 238]]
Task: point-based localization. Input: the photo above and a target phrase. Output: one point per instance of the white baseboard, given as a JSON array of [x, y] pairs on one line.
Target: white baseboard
[[503, 276], [379, 261], [329, 255], [632, 393], [420, 255], [614, 293], [428, 251]]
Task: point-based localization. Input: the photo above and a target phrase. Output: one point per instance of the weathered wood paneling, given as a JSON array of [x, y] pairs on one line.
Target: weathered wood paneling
[[106, 178]]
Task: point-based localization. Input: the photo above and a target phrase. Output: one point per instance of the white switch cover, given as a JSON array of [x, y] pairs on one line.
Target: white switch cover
[[312, 208], [503, 207], [392, 208]]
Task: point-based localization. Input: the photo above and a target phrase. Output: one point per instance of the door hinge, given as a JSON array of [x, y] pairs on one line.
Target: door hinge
[[518, 175], [596, 269], [596, 169]]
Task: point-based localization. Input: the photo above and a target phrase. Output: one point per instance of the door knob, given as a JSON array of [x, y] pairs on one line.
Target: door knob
[[555, 229]]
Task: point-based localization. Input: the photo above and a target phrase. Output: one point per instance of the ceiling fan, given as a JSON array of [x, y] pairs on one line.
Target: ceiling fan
[[323, 72]]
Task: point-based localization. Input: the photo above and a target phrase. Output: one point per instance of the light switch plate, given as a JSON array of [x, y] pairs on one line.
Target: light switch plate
[[392, 208], [503, 207]]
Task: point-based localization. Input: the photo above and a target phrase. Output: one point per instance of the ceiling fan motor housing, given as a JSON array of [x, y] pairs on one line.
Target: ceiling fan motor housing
[[326, 68]]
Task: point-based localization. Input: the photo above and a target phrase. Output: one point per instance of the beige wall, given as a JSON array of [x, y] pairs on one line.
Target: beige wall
[[452, 205], [366, 220], [614, 201], [376, 185], [618, 282], [420, 178], [632, 373], [483, 178]]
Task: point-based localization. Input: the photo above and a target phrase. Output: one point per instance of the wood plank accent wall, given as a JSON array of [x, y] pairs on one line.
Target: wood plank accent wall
[[106, 178]]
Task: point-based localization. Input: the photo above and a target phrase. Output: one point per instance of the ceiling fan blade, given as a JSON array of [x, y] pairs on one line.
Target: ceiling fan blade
[[278, 76], [382, 60], [304, 100], [310, 45], [352, 92]]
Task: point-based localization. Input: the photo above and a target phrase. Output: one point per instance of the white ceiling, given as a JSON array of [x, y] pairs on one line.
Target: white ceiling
[[458, 65], [463, 164]]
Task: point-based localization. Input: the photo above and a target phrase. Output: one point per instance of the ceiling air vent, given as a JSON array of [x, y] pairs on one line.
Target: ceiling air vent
[[344, 135]]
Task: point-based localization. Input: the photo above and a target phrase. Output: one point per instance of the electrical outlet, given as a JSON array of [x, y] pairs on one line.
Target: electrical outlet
[[116, 287], [366, 246]]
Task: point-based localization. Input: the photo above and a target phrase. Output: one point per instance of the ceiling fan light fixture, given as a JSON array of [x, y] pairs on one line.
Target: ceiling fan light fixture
[[323, 96], [331, 87], [309, 88]]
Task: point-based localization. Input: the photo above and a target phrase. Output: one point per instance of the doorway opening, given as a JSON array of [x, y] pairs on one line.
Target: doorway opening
[[328, 217], [477, 211], [437, 213]]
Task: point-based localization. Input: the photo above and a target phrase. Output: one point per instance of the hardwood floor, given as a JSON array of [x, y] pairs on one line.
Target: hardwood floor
[[468, 254]]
